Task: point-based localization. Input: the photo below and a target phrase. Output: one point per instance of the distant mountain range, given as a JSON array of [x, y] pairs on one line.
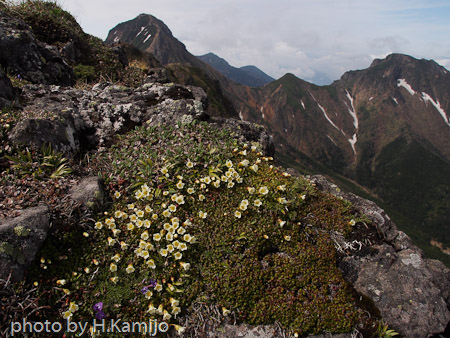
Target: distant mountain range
[[248, 75], [383, 132]]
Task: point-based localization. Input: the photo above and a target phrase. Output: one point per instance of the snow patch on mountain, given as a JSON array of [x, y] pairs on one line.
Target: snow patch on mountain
[[142, 29], [395, 100], [303, 105], [148, 37], [406, 85], [437, 105], [352, 112], [326, 116]]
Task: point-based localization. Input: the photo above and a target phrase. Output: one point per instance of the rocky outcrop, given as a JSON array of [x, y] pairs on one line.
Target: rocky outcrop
[[21, 53], [6, 89], [411, 292], [87, 119], [20, 239]]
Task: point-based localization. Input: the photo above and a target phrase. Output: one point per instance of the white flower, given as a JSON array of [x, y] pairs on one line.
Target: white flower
[[189, 164], [202, 214], [237, 214], [263, 191]]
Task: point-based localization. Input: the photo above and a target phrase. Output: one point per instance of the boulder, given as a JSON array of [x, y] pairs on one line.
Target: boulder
[[20, 239], [21, 53], [39, 132], [89, 193], [410, 291]]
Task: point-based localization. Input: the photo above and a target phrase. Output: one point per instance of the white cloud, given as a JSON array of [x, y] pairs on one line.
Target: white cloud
[[312, 39]]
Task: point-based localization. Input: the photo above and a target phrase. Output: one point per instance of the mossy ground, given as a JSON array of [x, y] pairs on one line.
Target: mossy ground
[[207, 220]]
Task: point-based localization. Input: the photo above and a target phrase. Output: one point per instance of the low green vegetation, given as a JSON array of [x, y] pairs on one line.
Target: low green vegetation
[[199, 217]]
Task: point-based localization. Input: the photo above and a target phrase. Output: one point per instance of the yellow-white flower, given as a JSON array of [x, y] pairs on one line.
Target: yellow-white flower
[[237, 214], [189, 164], [151, 264], [263, 191], [176, 310], [303, 196], [166, 315], [244, 163], [117, 194], [73, 307], [123, 245], [230, 184], [116, 257], [282, 187], [254, 167], [216, 184], [140, 213], [114, 279], [281, 223], [281, 200], [148, 209], [166, 213], [116, 232], [98, 225], [111, 241], [190, 190], [181, 230], [229, 164], [180, 329], [67, 315], [169, 237], [151, 309], [180, 185], [163, 252], [158, 287], [180, 199], [170, 248], [188, 238], [202, 214], [130, 268], [164, 170], [287, 238], [113, 267], [172, 208], [156, 237], [144, 235], [251, 190], [225, 311], [183, 246], [61, 282], [177, 255], [257, 203], [139, 223], [201, 197], [185, 266], [147, 223], [155, 216], [352, 222]]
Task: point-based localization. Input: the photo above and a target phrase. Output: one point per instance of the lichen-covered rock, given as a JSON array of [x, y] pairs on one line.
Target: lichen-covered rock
[[40, 132], [89, 193], [21, 53], [411, 292], [248, 132], [20, 239]]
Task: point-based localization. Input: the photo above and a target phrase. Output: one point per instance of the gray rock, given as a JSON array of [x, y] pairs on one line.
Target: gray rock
[[89, 193], [244, 331], [247, 132], [39, 132], [21, 53], [411, 292], [20, 239]]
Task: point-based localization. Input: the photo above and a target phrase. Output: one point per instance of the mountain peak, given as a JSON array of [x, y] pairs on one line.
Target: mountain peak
[[248, 75]]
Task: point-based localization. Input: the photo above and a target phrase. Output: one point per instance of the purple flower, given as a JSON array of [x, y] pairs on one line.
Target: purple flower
[[144, 289], [98, 306], [152, 282], [100, 315]]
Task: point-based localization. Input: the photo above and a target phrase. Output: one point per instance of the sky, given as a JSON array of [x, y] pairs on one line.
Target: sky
[[317, 40]]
